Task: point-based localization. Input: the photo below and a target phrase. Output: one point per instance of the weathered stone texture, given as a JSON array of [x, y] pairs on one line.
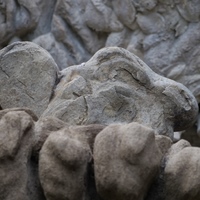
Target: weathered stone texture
[[179, 174], [182, 174], [64, 163], [18, 180], [17, 18], [126, 160], [27, 76], [162, 33], [106, 126], [91, 162], [115, 86]]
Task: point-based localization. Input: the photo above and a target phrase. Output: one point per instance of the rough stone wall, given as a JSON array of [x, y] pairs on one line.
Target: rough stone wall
[[165, 34]]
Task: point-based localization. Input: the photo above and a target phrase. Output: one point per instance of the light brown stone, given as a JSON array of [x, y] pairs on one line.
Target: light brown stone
[[126, 160]]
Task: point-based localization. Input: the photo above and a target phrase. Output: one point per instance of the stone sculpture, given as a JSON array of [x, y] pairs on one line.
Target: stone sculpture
[[164, 34], [58, 152], [115, 86], [106, 132]]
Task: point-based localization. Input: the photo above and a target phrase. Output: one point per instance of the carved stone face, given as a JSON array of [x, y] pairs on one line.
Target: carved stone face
[[115, 86]]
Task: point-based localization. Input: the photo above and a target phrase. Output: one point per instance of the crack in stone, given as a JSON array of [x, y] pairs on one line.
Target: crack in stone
[[21, 82], [4, 72], [86, 111], [29, 96], [25, 91]]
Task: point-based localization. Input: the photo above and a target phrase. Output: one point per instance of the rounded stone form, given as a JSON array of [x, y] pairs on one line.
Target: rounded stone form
[[27, 76]]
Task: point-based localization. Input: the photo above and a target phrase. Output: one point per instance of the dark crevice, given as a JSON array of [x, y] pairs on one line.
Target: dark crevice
[[86, 111], [76, 95], [34, 189], [21, 82], [29, 96], [5, 72], [57, 81], [157, 189], [91, 191]]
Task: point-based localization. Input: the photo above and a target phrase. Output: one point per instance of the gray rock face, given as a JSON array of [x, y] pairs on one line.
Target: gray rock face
[[27, 76], [162, 33], [17, 18], [115, 86]]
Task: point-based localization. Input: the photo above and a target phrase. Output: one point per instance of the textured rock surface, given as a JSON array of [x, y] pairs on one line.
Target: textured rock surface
[[162, 33], [18, 178], [49, 159], [182, 174], [27, 76], [43, 128], [116, 86], [64, 163], [126, 159], [163, 143], [179, 174], [17, 18], [110, 88]]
